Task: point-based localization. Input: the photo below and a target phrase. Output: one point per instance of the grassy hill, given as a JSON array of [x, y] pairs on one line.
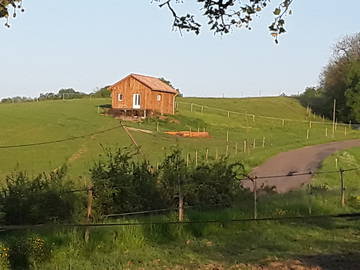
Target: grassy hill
[[228, 245], [265, 125]]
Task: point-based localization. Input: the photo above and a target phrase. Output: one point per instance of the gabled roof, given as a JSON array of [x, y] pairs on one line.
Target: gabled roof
[[153, 83]]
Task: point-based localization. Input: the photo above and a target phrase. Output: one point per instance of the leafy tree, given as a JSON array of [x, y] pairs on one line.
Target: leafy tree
[[102, 93], [352, 92], [222, 15], [339, 80]]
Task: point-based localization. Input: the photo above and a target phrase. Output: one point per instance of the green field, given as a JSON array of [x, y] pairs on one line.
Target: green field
[[26, 123], [224, 245]]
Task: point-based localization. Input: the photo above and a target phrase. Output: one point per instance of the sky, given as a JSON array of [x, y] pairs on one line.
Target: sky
[[86, 45]]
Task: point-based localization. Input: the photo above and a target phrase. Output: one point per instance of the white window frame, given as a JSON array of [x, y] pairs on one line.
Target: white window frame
[[136, 101], [120, 97], [158, 97]]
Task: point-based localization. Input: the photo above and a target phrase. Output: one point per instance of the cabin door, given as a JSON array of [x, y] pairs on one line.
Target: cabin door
[[136, 101]]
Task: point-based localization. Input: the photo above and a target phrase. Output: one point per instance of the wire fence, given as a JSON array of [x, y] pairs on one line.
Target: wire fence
[[255, 218]]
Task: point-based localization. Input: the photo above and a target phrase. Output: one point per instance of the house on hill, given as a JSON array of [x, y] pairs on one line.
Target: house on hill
[[140, 95]]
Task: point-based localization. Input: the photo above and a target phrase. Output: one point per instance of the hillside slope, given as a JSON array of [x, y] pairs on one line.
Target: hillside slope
[[261, 126]]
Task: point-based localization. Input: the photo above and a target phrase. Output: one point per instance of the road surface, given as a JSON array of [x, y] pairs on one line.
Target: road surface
[[301, 160]]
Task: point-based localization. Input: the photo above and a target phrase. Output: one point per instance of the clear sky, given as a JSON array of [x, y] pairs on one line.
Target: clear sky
[[85, 44]]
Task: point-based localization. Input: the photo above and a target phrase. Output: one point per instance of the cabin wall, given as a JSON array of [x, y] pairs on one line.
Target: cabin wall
[[166, 103], [128, 88], [148, 101]]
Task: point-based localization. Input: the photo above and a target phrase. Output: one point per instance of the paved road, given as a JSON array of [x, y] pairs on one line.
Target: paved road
[[305, 159]]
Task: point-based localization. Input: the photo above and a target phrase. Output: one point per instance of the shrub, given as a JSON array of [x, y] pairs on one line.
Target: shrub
[[123, 185], [210, 183], [43, 199]]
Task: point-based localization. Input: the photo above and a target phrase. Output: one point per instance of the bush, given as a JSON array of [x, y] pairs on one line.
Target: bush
[[210, 183], [43, 199], [124, 185]]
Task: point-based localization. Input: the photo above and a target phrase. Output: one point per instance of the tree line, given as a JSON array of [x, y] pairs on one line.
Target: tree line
[[68, 93], [340, 81]]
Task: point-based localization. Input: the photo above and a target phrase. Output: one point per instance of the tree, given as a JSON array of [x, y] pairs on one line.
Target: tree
[[8, 7], [170, 84], [102, 93], [339, 80], [222, 15]]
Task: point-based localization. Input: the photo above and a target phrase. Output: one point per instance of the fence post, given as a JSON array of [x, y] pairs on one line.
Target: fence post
[[157, 126], [307, 134], [263, 142], [236, 148], [191, 109], [253, 179], [181, 203], [341, 171], [89, 211], [196, 158], [207, 154]]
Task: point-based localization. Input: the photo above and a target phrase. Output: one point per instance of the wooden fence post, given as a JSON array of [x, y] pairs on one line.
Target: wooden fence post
[[326, 132], [255, 196], [307, 134], [254, 144], [341, 171], [89, 211], [228, 114], [191, 107], [207, 154], [245, 146], [157, 126], [283, 123], [181, 202], [227, 136], [196, 158], [236, 148], [263, 142]]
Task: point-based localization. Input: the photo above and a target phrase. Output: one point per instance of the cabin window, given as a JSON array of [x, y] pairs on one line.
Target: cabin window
[[158, 97], [120, 97]]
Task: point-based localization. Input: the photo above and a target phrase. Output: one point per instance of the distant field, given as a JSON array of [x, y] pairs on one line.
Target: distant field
[[26, 123]]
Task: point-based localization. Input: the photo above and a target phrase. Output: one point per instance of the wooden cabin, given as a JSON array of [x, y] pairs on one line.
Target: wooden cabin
[[141, 95]]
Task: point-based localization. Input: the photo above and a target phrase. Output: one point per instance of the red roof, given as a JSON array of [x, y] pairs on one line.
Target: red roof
[[153, 83]]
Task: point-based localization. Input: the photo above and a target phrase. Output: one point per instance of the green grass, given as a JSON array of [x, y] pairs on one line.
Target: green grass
[[43, 121], [188, 246]]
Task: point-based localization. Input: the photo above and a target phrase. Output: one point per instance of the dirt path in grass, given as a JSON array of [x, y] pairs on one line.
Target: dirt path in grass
[[301, 160]]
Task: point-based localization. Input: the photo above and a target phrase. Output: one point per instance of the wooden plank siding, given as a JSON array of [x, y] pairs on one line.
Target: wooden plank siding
[[149, 99]]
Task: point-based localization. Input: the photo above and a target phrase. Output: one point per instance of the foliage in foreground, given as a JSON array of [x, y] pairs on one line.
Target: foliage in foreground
[[122, 183], [35, 200]]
